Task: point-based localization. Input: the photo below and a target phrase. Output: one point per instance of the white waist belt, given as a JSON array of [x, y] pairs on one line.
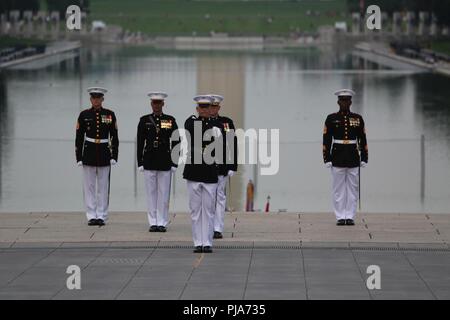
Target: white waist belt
[[345, 141], [97, 140]]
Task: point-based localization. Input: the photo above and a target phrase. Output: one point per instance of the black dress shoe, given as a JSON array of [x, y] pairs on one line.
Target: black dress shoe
[[217, 235], [92, 222], [153, 229], [198, 249], [162, 229], [100, 222], [207, 249], [341, 222], [350, 222]]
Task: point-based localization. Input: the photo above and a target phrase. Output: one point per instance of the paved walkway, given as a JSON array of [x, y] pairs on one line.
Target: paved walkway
[[382, 49], [164, 273], [263, 256], [52, 49], [60, 229]]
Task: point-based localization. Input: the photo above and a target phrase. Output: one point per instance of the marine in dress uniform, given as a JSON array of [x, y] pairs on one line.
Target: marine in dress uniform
[[96, 149], [228, 167], [154, 148], [201, 177], [344, 133]]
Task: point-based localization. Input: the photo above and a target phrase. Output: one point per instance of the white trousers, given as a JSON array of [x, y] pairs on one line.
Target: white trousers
[[157, 185], [345, 192], [221, 200], [96, 191], [202, 197]]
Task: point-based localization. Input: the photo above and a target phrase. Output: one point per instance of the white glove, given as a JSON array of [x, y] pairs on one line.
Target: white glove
[[363, 164], [113, 162], [230, 173], [216, 132], [328, 165], [173, 169], [80, 163], [141, 168]]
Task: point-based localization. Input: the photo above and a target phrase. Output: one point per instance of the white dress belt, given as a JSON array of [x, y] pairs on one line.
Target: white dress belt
[[97, 140], [345, 141]]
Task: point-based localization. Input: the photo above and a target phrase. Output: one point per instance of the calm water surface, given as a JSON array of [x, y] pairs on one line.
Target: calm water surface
[[290, 91]]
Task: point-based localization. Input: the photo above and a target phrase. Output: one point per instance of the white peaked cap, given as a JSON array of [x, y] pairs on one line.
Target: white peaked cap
[[217, 99], [97, 90], [345, 93], [203, 99], [157, 95]]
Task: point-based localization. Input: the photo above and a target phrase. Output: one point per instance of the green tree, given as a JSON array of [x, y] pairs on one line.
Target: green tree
[[442, 11], [440, 8], [388, 6], [21, 5], [61, 5]]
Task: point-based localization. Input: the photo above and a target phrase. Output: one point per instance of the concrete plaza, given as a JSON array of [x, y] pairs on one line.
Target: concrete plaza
[[291, 256]]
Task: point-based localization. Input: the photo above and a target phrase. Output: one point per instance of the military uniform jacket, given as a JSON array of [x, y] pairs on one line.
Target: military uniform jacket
[[154, 146], [98, 125], [230, 159], [201, 172], [345, 126]]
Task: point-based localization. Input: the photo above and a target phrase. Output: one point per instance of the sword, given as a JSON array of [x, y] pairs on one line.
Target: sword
[[109, 182], [82, 187], [215, 198], [359, 178], [231, 195], [170, 190], [359, 186]]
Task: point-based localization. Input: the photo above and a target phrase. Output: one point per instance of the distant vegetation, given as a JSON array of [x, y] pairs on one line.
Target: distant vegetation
[[35, 5], [441, 8], [175, 17], [13, 42], [22, 5], [234, 17], [442, 46]]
